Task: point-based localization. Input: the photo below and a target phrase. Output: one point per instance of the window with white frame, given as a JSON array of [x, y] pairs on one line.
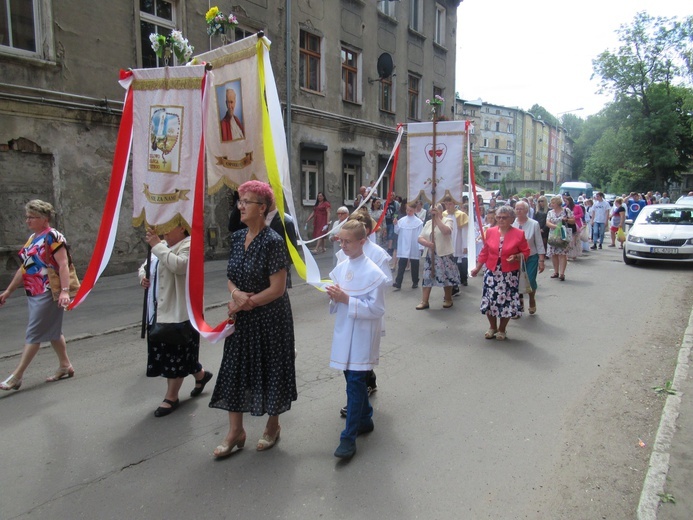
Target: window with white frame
[[387, 95], [310, 61], [485, 145], [439, 35], [510, 128], [413, 107], [387, 7], [24, 27], [509, 145], [310, 173], [350, 75], [156, 16], [416, 15], [241, 32], [351, 169]]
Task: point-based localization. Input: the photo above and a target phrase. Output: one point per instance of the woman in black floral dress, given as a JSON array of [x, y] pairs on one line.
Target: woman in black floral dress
[[257, 372]]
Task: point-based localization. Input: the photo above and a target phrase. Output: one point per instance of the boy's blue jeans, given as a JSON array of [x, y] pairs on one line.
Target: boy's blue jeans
[[359, 410]]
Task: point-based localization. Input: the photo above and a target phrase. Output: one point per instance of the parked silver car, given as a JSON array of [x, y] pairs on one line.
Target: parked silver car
[[661, 232]]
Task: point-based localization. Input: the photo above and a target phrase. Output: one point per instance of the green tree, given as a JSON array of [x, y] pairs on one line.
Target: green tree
[[649, 128]]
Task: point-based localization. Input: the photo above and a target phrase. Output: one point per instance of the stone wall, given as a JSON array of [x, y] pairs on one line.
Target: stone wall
[[72, 172]]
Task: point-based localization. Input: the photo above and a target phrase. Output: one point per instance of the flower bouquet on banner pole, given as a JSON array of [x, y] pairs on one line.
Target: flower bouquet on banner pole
[[219, 24]]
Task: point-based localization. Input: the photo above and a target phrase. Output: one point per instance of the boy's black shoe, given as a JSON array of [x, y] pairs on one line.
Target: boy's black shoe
[[343, 412], [455, 290], [593, 247], [345, 450], [396, 286], [600, 246], [415, 286]]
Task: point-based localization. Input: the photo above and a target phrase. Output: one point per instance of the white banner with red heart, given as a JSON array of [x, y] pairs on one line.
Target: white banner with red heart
[[448, 154]]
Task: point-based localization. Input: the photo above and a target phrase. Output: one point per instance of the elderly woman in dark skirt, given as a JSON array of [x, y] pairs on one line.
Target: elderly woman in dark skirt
[[45, 249], [503, 248], [257, 372], [174, 360]]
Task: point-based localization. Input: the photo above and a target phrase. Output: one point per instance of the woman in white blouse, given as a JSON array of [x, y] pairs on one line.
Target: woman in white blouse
[[537, 253]]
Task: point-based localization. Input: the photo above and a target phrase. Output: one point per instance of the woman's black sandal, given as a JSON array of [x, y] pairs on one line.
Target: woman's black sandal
[[200, 384]]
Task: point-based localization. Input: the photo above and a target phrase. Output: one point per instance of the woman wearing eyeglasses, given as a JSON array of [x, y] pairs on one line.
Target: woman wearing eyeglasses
[[257, 372], [45, 249], [503, 248]]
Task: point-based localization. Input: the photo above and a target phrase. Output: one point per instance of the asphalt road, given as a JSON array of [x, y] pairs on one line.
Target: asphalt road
[[465, 428]]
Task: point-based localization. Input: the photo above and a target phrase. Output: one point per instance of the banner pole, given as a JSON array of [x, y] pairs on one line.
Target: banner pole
[[145, 314], [433, 195]]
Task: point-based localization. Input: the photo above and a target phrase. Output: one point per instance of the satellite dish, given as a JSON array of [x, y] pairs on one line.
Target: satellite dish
[[385, 65]]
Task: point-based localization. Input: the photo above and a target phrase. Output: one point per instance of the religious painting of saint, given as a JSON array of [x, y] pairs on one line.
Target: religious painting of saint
[[230, 104]]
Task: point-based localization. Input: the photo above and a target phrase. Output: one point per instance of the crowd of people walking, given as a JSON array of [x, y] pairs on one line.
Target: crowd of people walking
[[257, 375]]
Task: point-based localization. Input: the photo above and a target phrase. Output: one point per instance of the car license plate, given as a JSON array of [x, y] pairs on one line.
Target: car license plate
[[664, 250]]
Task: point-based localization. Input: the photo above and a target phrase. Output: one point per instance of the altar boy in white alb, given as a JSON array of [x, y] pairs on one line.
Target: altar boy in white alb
[[358, 299]]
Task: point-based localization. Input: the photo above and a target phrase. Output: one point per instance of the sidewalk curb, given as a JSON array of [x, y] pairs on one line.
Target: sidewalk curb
[[659, 460], [81, 337]]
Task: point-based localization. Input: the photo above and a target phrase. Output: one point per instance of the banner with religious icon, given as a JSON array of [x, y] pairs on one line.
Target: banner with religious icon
[[233, 130], [167, 131], [447, 149]]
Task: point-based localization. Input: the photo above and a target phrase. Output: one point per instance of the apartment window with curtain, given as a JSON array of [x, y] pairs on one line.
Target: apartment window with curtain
[[413, 107], [387, 95], [26, 28], [416, 15], [310, 173], [351, 168], [310, 61], [439, 35], [350, 75], [156, 16]]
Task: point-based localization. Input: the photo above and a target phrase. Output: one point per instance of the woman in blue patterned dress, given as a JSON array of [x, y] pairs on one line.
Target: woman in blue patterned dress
[[257, 372], [44, 250]]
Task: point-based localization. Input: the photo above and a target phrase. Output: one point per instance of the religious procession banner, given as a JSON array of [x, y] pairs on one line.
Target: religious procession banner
[[233, 129], [448, 154], [244, 129], [167, 131]]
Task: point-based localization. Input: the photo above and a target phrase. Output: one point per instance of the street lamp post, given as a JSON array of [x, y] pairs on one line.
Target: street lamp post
[[555, 171]]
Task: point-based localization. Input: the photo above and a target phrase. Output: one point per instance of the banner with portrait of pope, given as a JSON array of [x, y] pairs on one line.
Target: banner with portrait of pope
[[233, 129]]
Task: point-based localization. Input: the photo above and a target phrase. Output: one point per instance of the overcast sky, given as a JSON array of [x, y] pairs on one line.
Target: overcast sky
[[517, 53]]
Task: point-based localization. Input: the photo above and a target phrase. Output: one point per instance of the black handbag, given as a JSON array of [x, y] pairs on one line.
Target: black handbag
[[172, 333]]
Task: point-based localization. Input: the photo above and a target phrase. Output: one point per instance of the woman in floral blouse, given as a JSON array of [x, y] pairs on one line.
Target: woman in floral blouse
[[44, 250]]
